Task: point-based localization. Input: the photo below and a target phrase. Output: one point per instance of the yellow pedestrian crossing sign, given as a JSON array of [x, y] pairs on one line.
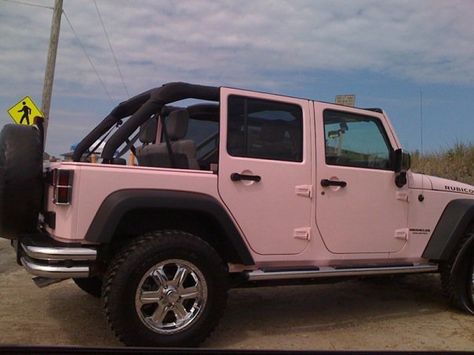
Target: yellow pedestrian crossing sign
[[24, 112]]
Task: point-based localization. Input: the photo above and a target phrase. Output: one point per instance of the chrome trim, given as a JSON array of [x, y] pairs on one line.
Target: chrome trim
[[54, 271], [260, 275], [59, 253]]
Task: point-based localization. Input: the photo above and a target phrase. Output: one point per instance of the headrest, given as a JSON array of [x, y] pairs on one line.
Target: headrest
[[272, 132], [148, 131], [177, 124]]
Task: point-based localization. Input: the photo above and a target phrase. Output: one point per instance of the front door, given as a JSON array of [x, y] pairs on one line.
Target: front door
[[359, 207], [265, 169]]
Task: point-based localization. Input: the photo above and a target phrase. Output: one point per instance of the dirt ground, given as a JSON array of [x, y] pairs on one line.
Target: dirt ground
[[400, 314]]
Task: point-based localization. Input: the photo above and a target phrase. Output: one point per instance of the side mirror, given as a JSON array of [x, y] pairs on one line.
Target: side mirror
[[402, 164], [402, 161]]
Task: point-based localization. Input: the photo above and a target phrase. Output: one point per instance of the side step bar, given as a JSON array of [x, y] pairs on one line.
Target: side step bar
[[260, 275]]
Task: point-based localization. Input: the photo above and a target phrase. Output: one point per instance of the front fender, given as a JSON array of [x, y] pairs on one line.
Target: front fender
[[451, 227]]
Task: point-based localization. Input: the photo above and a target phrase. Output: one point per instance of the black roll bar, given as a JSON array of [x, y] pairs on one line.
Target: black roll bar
[[141, 107], [124, 109]]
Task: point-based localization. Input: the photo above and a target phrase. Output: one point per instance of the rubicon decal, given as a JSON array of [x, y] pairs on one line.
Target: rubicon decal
[[465, 190]]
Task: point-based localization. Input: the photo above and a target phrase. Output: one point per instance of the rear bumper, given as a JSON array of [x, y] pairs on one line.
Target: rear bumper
[[42, 256]]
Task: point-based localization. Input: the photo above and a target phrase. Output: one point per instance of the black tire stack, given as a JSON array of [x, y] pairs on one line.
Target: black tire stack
[[21, 190]]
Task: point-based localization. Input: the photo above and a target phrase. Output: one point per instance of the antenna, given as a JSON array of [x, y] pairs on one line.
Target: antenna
[[421, 122], [420, 197]]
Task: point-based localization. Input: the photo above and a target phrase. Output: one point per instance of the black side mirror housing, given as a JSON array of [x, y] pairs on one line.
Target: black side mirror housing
[[402, 163]]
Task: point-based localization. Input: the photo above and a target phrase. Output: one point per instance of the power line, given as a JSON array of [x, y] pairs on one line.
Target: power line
[[111, 48], [29, 4], [88, 57]]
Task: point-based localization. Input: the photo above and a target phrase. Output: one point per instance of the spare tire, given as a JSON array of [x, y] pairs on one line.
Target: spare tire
[[21, 166]]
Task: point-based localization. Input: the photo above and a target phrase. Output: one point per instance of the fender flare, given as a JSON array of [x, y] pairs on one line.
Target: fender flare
[[450, 229], [116, 205]]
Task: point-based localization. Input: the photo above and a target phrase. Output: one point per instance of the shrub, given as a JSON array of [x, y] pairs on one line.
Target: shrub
[[455, 163]]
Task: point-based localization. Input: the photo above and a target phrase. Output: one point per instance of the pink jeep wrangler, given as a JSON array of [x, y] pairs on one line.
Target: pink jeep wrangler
[[239, 188]]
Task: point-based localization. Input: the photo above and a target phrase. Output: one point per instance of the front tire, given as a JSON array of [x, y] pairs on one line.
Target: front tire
[[166, 288], [458, 279]]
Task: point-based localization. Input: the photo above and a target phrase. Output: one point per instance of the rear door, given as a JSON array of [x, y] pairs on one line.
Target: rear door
[[265, 168]]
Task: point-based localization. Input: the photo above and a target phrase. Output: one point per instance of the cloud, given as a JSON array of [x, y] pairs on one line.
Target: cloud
[[260, 45], [156, 41]]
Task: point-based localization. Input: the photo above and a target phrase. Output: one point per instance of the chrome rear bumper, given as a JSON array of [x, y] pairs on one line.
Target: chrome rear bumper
[[50, 259]]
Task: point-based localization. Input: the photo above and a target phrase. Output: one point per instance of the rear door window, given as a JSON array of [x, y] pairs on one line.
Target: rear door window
[[264, 129]]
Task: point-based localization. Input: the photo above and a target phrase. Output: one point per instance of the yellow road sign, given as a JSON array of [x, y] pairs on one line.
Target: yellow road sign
[[24, 111]]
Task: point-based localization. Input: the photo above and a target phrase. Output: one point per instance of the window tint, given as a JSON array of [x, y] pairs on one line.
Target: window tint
[[355, 140], [264, 129]]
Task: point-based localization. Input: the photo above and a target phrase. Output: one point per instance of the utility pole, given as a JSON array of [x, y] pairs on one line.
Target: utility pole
[[51, 63]]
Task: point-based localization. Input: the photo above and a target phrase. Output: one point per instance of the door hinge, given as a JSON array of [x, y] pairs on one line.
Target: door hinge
[[401, 234], [304, 190], [302, 233]]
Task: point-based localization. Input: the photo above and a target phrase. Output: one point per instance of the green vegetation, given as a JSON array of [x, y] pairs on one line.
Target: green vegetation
[[456, 163]]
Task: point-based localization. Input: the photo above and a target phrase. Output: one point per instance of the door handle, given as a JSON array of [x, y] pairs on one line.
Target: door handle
[[238, 177], [326, 183]]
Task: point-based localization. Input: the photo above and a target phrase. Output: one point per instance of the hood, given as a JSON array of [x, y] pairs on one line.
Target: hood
[[419, 181]]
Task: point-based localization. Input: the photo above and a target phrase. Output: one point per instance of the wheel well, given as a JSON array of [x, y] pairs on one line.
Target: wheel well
[[140, 221]]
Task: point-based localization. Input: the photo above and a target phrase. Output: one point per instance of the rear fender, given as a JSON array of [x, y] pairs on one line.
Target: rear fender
[[119, 203]]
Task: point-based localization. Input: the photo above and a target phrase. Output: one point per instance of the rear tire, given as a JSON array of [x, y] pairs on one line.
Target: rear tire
[[166, 288], [21, 165], [458, 284]]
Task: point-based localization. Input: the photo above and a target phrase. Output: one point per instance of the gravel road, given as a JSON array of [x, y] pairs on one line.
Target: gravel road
[[408, 313]]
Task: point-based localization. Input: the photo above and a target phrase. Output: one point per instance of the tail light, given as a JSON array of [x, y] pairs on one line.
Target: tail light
[[62, 183]]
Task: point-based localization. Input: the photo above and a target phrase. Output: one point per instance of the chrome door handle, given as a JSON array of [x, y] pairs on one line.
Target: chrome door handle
[[238, 177]]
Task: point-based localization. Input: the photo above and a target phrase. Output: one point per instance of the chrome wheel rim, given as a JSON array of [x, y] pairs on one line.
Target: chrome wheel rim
[[171, 296]]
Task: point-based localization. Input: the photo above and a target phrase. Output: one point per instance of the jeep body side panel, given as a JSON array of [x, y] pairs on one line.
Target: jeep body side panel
[[94, 182], [451, 227], [100, 191], [116, 205]]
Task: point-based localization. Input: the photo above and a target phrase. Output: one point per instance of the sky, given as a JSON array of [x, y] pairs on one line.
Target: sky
[[388, 53]]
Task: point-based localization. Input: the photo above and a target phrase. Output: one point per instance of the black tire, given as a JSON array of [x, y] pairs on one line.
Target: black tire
[[91, 285], [129, 274], [457, 278], [21, 164]]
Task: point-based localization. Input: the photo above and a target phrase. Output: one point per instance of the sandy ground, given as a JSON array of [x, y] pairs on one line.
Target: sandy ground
[[401, 314]]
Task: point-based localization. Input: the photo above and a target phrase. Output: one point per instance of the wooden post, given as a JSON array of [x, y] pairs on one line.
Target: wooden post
[[51, 63]]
